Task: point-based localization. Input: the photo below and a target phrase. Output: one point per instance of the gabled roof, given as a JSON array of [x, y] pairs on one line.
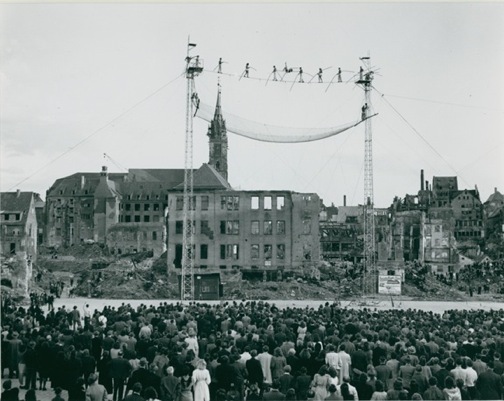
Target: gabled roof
[[81, 183], [140, 189], [496, 197], [206, 177], [472, 192], [14, 202], [106, 189], [170, 177]]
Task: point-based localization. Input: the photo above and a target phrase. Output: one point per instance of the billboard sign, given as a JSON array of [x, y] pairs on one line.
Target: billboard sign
[[389, 284]]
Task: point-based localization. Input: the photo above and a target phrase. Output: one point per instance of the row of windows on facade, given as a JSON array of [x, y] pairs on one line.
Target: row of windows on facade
[[137, 207], [71, 202], [11, 216], [234, 267], [16, 232], [139, 219], [133, 236], [232, 227], [469, 234], [119, 251], [232, 251], [118, 236], [128, 197], [468, 223], [233, 202]]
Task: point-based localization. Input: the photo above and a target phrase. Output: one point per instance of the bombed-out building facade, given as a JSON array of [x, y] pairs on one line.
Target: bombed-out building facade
[[142, 211]]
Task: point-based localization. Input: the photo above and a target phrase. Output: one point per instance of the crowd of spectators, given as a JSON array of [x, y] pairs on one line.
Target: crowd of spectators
[[252, 351]]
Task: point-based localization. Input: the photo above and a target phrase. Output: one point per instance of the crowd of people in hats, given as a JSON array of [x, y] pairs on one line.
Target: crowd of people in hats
[[252, 351]]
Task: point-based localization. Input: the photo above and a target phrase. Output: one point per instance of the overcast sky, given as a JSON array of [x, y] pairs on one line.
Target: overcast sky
[[81, 80]]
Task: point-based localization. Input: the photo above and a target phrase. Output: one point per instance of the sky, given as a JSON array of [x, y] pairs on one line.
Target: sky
[[78, 81]]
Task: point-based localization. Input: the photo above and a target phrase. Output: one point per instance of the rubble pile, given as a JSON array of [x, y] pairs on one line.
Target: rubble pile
[[140, 276], [125, 279]]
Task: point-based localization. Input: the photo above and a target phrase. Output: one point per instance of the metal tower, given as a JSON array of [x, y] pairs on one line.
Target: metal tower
[[369, 283], [193, 68]]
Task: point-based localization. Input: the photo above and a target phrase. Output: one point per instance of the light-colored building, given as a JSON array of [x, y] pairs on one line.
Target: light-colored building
[[19, 228], [260, 230]]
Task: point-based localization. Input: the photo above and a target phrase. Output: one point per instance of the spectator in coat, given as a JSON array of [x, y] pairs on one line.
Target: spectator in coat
[[433, 392], [265, 359], [489, 385], [170, 386], [254, 369], [119, 370], [95, 391], [274, 394], [286, 380]]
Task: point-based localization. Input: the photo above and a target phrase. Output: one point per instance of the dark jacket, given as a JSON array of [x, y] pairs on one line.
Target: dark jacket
[[119, 368], [254, 370], [273, 395], [489, 386]]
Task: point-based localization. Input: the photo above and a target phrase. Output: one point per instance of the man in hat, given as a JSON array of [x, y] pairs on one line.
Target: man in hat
[[371, 373], [95, 391], [383, 372], [31, 362], [120, 370], [14, 345]]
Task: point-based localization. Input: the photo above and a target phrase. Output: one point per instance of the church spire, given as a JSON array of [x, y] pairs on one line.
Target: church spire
[[218, 110], [218, 143]]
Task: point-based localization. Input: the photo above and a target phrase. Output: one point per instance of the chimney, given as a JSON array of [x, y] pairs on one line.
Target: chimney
[[421, 180], [344, 200], [426, 185], [18, 192], [104, 171], [495, 190]]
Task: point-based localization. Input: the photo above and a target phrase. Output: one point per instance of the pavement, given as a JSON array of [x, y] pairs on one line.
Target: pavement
[[42, 395]]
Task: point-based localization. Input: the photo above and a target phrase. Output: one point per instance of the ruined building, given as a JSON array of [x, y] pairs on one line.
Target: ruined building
[[19, 225], [141, 210]]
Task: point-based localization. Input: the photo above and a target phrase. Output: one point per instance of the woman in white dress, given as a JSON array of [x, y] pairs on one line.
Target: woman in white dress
[[201, 380]]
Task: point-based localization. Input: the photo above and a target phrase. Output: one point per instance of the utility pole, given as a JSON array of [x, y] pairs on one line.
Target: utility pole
[[193, 68]]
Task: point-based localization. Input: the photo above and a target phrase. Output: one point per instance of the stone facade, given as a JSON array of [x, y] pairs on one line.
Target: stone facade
[[247, 229]]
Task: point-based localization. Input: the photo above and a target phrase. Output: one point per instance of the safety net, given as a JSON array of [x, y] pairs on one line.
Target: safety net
[[271, 133]]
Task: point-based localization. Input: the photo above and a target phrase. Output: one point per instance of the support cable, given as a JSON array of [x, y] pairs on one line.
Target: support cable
[[112, 121], [420, 135]]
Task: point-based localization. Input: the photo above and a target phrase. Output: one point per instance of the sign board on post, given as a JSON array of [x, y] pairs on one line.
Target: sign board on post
[[389, 284]]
